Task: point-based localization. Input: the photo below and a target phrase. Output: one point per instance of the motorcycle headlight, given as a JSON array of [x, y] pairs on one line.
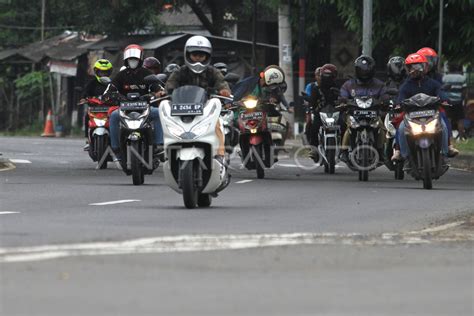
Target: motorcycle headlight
[[250, 103], [364, 104], [416, 129], [134, 124], [430, 128], [100, 122]]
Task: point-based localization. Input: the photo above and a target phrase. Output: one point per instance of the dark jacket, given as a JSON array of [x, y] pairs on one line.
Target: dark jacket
[[132, 80], [353, 88], [322, 96], [93, 89], [211, 78], [426, 85]]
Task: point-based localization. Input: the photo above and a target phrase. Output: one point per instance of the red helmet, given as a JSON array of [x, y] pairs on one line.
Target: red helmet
[[329, 70], [431, 56], [416, 65]]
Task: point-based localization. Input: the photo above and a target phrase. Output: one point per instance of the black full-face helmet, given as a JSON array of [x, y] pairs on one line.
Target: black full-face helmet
[[396, 68], [364, 68]]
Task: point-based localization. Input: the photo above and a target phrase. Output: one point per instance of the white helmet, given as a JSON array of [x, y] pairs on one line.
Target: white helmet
[[273, 75], [197, 44]]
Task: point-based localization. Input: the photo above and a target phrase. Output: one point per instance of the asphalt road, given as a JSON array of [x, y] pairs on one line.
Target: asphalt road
[[354, 248]]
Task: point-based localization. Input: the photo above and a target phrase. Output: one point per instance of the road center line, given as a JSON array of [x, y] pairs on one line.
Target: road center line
[[244, 181], [7, 213], [114, 202]]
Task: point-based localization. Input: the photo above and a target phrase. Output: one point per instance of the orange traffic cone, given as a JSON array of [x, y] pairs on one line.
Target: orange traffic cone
[[48, 126]]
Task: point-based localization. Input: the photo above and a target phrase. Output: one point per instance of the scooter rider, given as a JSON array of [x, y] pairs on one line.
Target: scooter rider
[[94, 88], [363, 85], [418, 82], [198, 72], [433, 59], [131, 79], [321, 95]]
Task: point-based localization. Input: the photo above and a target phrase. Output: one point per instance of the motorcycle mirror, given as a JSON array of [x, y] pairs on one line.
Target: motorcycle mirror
[[105, 80]]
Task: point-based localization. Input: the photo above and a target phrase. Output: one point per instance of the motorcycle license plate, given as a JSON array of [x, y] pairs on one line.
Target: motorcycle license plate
[[133, 105], [365, 113], [98, 109], [186, 109], [424, 113], [252, 116]]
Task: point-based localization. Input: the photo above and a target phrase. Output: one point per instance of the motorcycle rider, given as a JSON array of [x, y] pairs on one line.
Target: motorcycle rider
[[396, 72], [419, 82], [433, 59], [94, 88], [131, 79], [364, 84], [321, 95], [311, 85], [197, 71], [153, 64]]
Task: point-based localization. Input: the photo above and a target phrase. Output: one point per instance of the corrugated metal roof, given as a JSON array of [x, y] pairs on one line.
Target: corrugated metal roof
[[162, 41]]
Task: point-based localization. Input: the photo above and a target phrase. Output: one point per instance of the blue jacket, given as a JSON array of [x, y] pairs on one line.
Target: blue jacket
[[426, 85], [352, 88]]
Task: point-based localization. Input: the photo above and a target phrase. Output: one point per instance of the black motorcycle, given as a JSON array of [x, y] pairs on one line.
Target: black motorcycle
[[424, 134]]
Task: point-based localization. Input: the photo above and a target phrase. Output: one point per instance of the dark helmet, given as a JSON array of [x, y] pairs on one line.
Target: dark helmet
[[152, 63], [222, 67], [364, 68], [170, 68], [396, 68]]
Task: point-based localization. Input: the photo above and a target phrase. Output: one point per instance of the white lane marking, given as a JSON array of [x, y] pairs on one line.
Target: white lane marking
[[187, 243], [7, 213], [115, 202], [20, 161], [244, 181], [288, 165], [437, 228]]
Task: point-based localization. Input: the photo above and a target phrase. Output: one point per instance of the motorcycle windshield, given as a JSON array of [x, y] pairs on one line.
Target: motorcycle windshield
[[189, 95]]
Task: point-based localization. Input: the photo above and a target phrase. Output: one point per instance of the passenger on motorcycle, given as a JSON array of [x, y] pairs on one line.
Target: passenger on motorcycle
[[418, 82], [432, 59], [94, 88], [198, 72], [311, 85], [131, 79], [396, 72], [363, 85], [321, 95]]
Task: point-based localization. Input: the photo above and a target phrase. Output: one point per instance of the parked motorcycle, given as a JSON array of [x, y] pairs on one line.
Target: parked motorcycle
[[256, 143], [99, 136], [364, 127], [189, 123], [424, 135]]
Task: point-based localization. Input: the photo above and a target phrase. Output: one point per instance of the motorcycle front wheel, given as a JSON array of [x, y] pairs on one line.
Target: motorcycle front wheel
[[427, 180], [138, 176], [257, 152], [331, 155], [100, 144], [188, 184]]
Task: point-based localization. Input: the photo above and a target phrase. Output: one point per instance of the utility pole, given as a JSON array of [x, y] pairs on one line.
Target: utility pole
[[367, 28], [286, 60], [254, 38], [43, 9], [302, 46], [440, 33]]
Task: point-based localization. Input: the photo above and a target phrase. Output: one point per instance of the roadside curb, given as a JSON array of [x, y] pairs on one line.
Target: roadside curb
[[463, 161]]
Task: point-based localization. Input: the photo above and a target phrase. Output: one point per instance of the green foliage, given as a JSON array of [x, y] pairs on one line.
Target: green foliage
[[28, 86]]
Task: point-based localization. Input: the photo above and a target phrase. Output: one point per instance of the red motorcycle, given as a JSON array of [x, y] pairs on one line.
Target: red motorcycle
[[99, 136], [258, 149]]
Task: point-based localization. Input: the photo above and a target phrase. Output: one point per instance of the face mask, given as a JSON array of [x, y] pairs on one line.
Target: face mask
[[133, 63]]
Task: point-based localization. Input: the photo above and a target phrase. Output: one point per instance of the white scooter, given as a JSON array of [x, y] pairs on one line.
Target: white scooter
[[189, 122]]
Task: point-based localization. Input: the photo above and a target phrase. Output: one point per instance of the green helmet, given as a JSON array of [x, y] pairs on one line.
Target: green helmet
[[102, 68]]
